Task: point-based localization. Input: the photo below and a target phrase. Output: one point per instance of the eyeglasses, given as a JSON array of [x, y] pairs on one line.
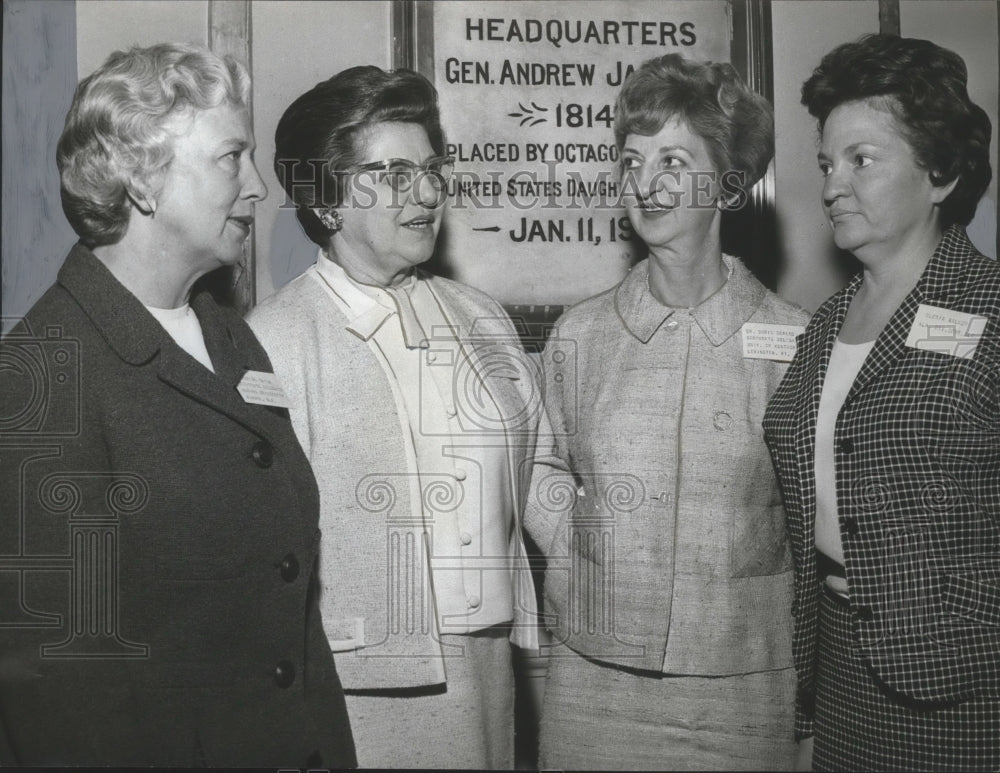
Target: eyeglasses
[[401, 173]]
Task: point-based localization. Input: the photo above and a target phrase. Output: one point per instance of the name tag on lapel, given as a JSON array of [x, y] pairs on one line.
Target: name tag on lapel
[[945, 331], [262, 388], [762, 341]]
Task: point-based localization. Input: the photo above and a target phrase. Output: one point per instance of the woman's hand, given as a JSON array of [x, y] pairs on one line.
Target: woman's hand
[[804, 756]]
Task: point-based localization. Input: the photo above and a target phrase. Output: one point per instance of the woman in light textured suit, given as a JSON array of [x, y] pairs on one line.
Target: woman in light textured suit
[[668, 584], [417, 408], [885, 429]]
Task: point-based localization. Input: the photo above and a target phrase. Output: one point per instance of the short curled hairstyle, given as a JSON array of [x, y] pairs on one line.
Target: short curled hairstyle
[[321, 134], [736, 124], [116, 129], [924, 86]]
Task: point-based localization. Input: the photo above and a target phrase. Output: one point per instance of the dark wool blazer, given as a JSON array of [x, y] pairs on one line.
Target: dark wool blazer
[[158, 536], [917, 457]]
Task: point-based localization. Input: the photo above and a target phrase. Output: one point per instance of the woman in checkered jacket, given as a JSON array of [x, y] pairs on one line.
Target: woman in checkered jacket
[[885, 432]]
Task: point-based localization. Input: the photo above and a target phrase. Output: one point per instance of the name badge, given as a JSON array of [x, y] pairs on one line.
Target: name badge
[[762, 341], [262, 388], [945, 331]]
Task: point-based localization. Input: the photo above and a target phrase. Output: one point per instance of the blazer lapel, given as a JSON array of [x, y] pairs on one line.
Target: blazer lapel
[[815, 348], [486, 343], [939, 284], [137, 338], [889, 346], [234, 352], [117, 314]]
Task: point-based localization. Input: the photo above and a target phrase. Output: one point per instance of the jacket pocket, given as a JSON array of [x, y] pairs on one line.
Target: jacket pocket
[[345, 634], [759, 544], [974, 595]]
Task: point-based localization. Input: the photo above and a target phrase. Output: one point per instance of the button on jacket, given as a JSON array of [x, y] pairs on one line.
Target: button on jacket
[[666, 550], [451, 428], [157, 542], [917, 457], [383, 600]]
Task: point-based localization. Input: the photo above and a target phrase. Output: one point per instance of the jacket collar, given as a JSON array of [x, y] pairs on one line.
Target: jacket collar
[[367, 307], [719, 316], [136, 337], [941, 283], [119, 316], [944, 278]]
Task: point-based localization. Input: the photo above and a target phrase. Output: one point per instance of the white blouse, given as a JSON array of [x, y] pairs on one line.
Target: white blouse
[[845, 364], [183, 326], [459, 474]]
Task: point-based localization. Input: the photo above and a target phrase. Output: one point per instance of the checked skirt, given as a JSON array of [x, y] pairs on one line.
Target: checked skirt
[[863, 725]]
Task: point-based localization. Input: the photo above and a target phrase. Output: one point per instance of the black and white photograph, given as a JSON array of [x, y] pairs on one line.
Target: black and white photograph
[[500, 385]]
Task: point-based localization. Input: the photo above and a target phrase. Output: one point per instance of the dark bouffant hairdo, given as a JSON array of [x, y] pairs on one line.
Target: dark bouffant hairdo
[[924, 87], [320, 135], [736, 124]]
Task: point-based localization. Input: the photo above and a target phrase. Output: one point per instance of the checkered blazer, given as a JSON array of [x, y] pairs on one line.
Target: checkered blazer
[[917, 455]]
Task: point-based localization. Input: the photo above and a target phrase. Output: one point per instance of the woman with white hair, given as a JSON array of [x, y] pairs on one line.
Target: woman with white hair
[[163, 610]]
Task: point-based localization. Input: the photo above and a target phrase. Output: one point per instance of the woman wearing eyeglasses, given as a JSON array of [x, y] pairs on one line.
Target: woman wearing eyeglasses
[[416, 406]]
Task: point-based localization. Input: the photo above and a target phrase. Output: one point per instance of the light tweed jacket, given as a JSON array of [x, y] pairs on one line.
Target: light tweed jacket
[[345, 416], [667, 549]]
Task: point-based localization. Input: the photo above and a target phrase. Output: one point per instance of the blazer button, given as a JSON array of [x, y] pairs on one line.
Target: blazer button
[[850, 524], [284, 674], [289, 568], [722, 421], [863, 613], [847, 445], [263, 454]]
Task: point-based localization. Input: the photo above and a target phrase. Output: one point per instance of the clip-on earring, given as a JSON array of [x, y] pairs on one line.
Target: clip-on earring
[[725, 203], [331, 219]]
